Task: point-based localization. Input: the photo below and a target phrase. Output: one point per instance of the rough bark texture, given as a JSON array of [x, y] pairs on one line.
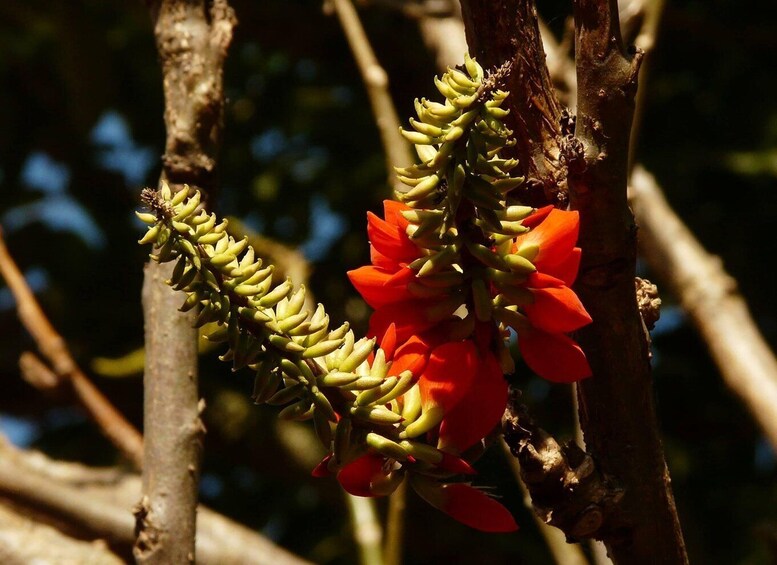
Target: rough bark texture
[[192, 40], [616, 405], [507, 30]]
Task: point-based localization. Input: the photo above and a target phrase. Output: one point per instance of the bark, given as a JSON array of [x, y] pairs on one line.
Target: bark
[[617, 410], [95, 503], [23, 540], [507, 30], [192, 40]]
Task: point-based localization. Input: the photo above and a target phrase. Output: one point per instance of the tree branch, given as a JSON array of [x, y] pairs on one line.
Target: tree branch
[[192, 40], [498, 32], [52, 345], [616, 404], [376, 80], [23, 540], [96, 503], [710, 297]]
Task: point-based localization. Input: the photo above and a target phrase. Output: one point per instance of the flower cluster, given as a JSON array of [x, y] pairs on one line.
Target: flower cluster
[[454, 267]]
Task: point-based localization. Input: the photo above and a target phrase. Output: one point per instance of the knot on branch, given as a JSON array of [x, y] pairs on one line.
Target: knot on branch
[[567, 489], [572, 154], [648, 302]]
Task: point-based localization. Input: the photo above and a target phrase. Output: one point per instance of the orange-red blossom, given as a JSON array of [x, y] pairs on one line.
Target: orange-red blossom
[[461, 382]]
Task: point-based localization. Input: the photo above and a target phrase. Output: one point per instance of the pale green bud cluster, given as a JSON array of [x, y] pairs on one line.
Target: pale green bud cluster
[[300, 363], [466, 250]]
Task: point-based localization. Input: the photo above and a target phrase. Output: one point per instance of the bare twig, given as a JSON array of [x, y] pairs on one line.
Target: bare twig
[[53, 347], [366, 529], [37, 373], [710, 297], [192, 40], [96, 503], [23, 540], [616, 404], [563, 552], [375, 79]]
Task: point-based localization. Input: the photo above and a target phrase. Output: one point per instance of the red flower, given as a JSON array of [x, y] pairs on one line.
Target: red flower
[[554, 309], [384, 284]]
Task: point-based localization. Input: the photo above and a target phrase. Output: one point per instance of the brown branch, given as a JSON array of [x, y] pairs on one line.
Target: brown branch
[[23, 540], [96, 503], [120, 432], [563, 552], [710, 297], [498, 32], [397, 150], [192, 39], [616, 404], [567, 489]]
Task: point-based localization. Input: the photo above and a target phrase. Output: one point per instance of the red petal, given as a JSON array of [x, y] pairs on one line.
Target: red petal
[[392, 211], [390, 240], [476, 416], [556, 237], [374, 284], [409, 318], [358, 476], [413, 356], [556, 310], [322, 469], [567, 269], [468, 505], [555, 357], [455, 464], [449, 374], [388, 343], [537, 217]]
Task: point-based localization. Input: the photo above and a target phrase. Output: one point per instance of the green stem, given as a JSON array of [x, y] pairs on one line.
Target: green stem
[[395, 526], [366, 529]]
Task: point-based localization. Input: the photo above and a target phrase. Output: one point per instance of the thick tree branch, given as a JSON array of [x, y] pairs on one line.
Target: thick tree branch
[[710, 297], [192, 40], [96, 503], [23, 540], [616, 404], [507, 30]]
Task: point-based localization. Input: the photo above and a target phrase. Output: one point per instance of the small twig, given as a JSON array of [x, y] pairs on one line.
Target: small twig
[[375, 79], [710, 297], [563, 552], [366, 529], [395, 526], [53, 347], [645, 41], [36, 373]]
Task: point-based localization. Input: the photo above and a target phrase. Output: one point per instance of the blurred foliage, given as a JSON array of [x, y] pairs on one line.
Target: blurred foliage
[[82, 131]]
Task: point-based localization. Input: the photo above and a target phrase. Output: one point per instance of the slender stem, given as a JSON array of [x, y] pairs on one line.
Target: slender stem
[[52, 345], [395, 525], [366, 529], [375, 79], [563, 552]]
